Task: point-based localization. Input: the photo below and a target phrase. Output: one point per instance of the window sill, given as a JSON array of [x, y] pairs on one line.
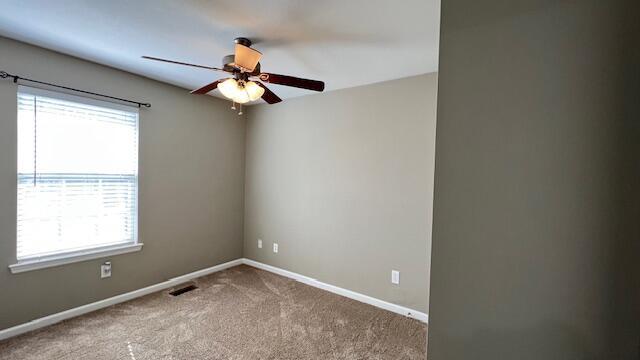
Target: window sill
[[36, 264]]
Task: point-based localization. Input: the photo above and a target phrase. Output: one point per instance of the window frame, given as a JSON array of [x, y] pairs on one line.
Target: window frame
[[96, 252]]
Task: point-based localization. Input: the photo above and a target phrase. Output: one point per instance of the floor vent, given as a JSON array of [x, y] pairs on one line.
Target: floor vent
[[183, 290]]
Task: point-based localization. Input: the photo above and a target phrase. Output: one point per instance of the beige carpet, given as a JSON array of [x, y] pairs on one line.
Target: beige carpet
[[239, 313]]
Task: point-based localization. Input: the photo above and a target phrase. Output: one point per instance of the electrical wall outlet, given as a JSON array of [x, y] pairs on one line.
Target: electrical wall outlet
[[395, 277], [259, 243], [105, 270], [275, 247]]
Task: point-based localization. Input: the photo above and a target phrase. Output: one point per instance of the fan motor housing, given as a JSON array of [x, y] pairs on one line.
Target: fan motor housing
[[228, 64]]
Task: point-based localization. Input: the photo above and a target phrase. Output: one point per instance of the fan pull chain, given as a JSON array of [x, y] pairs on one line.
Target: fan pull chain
[[233, 104], [240, 112]]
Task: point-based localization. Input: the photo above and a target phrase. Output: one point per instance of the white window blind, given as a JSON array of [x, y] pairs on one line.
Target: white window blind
[[77, 174]]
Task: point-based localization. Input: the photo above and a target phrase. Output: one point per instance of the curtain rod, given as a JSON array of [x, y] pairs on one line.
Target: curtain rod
[[16, 78]]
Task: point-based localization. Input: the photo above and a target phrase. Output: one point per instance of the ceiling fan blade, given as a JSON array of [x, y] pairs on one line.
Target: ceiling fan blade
[[209, 87], [183, 63], [246, 57], [314, 85], [268, 95]]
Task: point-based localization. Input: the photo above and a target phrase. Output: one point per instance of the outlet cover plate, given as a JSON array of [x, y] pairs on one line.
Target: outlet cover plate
[[105, 270], [395, 277]]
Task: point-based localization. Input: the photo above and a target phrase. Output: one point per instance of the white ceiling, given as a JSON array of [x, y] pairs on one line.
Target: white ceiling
[[345, 43]]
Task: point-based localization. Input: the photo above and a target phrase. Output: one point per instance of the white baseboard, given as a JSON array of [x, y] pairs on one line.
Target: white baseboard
[[80, 310], [64, 315], [340, 291]]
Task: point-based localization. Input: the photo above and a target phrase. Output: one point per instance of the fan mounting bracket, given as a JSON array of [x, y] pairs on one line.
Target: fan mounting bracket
[[242, 41]]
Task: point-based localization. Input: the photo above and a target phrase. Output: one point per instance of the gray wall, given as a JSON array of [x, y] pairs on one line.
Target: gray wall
[[191, 187], [536, 221], [343, 182]]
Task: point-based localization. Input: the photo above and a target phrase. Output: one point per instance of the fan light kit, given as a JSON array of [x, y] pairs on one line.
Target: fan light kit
[[241, 91], [244, 86]]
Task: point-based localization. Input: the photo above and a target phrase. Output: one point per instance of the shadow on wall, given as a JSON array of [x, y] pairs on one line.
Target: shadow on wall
[[625, 285], [512, 344]]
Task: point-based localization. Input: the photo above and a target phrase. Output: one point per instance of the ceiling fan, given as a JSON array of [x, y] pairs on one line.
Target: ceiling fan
[[243, 86]]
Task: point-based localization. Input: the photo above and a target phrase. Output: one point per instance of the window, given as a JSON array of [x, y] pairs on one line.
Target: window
[[77, 176]]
